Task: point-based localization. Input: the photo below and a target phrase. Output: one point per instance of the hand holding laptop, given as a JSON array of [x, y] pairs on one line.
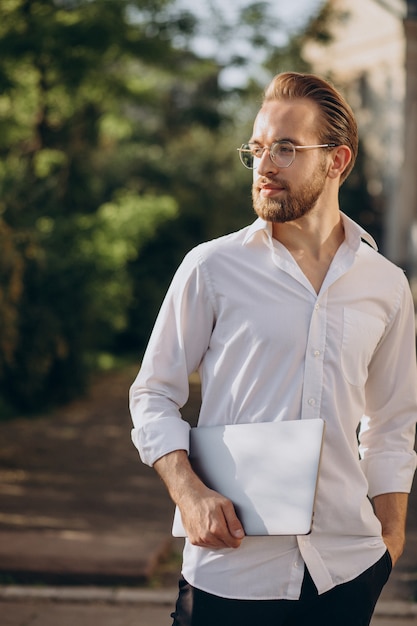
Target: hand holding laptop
[[210, 519]]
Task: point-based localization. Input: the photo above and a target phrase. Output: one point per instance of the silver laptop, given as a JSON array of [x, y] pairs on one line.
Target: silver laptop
[[268, 470]]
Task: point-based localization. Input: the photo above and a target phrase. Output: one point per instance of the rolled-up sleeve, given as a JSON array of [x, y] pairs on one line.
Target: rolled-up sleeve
[[387, 433], [179, 340]]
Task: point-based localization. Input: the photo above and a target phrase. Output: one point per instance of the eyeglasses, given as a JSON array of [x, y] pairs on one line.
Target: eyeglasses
[[281, 153]]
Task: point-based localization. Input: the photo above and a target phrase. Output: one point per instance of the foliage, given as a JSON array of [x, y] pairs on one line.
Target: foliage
[[79, 101]]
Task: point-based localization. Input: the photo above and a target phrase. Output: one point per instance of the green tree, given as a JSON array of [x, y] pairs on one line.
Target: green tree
[[82, 85]]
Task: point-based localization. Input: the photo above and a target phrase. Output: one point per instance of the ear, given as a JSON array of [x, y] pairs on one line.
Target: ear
[[340, 159]]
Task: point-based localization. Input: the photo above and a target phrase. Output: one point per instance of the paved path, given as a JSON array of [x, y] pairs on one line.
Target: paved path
[[76, 503], [78, 508]]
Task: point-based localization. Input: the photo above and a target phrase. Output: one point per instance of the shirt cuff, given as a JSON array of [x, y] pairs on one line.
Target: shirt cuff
[[155, 440], [389, 474]]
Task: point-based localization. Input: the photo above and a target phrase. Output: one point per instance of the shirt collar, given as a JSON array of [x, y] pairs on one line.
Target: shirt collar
[[257, 226], [353, 232]]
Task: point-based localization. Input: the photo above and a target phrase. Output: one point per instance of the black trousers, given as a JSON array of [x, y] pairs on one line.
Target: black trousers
[[348, 604]]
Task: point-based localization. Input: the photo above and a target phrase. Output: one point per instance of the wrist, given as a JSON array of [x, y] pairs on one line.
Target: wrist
[[395, 545]]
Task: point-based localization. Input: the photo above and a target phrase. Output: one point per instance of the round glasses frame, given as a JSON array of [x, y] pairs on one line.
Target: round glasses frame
[[281, 153]]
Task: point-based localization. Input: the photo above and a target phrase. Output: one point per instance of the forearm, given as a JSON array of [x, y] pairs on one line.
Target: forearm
[[391, 510], [177, 474]]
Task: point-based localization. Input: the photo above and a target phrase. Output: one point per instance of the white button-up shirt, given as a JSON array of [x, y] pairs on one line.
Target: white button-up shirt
[[268, 347]]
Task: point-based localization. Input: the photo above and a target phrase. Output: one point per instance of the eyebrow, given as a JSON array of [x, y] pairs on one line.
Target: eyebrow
[[290, 139]]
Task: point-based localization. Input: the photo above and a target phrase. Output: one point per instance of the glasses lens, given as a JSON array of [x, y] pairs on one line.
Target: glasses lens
[[246, 155], [282, 153]]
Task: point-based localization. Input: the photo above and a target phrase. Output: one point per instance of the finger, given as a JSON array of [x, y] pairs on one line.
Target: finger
[[235, 529], [217, 535]]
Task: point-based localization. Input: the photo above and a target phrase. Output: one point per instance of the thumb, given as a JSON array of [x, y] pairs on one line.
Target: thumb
[[239, 533], [233, 522]]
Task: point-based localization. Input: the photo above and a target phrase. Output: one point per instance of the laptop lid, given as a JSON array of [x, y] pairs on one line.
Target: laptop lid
[[268, 470]]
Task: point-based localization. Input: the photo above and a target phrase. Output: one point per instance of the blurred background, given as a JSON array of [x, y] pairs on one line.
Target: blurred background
[[119, 123]]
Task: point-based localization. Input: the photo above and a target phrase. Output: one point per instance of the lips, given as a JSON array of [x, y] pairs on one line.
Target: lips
[[269, 188], [272, 188], [269, 183]]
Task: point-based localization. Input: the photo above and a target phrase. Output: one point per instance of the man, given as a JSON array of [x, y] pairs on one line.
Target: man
[[294, 317]]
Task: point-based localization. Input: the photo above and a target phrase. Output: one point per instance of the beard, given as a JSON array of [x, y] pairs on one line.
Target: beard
[[296, 204]]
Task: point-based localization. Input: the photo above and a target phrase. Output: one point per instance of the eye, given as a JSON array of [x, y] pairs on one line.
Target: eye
[[283, 148], [257, 151]]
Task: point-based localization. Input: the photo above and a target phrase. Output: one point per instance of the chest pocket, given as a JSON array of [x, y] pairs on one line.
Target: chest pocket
[[361, 335]]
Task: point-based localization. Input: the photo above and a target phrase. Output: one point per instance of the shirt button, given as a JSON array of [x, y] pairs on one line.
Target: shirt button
[[317, 306], [316, 353], [312, 402]]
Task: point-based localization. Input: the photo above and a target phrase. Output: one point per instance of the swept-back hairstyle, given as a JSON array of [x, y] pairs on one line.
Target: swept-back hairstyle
[[339, 124]]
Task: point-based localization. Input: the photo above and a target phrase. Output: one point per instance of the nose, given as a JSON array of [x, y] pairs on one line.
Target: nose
[[265, 164]]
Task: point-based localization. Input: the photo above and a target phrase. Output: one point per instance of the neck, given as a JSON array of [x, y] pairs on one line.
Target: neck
[[313, 244], [316, 234]]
